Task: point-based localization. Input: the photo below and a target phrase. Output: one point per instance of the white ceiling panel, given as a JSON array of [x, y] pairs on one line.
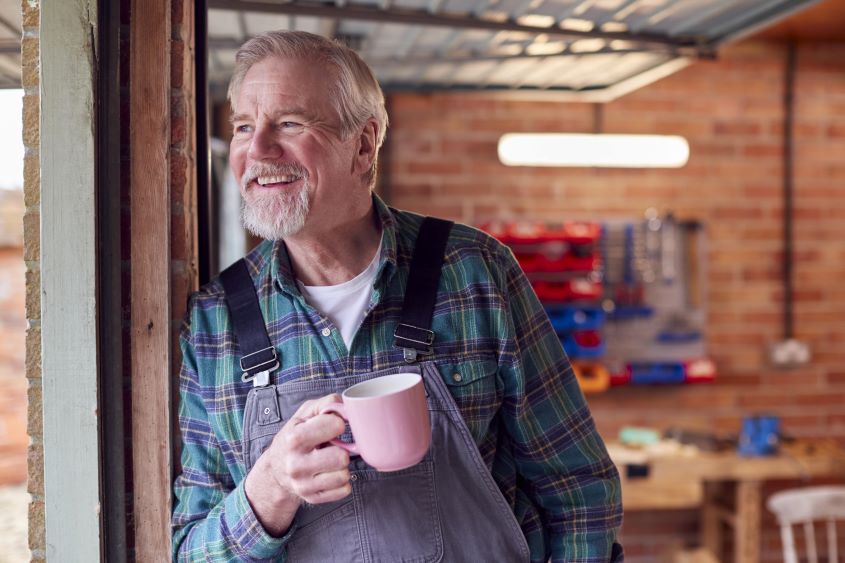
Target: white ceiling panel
[[470, 74], [261, 23], [508, 71], [224, 24], [310, 24], [440, 73], [547, 71]]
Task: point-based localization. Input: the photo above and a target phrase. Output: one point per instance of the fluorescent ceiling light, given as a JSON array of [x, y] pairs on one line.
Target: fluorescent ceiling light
[[602, 150]]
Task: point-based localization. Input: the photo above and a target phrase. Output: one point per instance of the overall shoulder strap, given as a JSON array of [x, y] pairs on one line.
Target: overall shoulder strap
[[413, 333], [258, 356]]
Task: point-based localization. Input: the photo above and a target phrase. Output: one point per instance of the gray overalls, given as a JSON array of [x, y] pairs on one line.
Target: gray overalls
[[446, 508]]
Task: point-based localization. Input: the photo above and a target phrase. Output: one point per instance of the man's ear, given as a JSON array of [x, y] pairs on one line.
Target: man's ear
[[366, 154]]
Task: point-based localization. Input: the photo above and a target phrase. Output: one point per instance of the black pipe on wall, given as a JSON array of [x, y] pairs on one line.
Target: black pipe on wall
[[788, 191]]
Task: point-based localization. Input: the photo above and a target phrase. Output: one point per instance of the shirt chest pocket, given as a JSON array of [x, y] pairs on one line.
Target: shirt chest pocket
[[475, 387]]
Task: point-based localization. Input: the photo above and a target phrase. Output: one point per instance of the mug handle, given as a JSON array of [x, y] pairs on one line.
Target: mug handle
[[340, 410]]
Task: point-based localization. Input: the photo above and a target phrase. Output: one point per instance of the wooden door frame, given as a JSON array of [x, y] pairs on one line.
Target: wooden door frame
[[150, 312], [165, 133]]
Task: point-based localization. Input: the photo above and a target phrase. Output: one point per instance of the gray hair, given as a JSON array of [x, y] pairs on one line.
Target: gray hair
[[356, 94]]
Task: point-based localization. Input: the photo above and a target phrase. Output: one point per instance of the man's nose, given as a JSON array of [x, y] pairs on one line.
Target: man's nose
[[264, 145]]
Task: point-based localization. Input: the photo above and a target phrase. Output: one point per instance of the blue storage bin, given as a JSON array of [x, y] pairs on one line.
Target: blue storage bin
[[568, 319], [679, 336], [657, 372], [624, 312], [580, 351], [760, 436]]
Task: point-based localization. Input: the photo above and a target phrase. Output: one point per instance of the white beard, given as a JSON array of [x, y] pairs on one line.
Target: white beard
[[278, 213]]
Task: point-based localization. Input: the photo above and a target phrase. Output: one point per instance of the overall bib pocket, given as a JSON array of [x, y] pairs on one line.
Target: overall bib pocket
[[385, 503], [256, 446], [325, 533]]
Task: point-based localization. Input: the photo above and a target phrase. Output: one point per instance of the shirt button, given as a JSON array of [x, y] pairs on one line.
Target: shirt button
[[353, 478], [457, 377], [266, 410], [327, 332]]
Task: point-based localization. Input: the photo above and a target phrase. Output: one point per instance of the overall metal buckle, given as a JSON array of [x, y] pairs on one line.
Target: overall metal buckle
[[259, 378], [420, 344]]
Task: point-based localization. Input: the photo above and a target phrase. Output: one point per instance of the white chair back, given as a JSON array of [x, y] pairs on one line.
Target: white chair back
[[802, 507]]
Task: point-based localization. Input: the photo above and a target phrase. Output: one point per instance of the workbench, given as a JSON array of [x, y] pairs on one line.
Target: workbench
[[724, 487]]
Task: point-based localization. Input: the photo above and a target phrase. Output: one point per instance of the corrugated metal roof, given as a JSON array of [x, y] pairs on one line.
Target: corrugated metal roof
[[586, 49]]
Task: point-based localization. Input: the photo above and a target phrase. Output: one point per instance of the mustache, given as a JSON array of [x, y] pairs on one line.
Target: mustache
[[257, 169]]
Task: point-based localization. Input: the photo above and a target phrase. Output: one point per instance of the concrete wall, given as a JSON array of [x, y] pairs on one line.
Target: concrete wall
[[443, 161]]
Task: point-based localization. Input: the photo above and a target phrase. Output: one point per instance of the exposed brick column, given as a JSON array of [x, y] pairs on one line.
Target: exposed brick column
[[183, 172], [32, 255]]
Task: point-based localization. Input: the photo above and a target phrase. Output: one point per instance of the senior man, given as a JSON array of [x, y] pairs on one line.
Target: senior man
[[344, 289]]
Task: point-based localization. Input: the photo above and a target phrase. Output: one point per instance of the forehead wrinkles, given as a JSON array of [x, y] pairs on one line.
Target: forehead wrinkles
[[303, 86], [270, 100]]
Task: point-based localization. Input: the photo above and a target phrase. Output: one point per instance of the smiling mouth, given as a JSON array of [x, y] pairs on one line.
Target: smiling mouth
[[268, 181]]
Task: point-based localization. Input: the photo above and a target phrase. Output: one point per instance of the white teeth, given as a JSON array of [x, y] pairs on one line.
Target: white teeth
[[264, 180]]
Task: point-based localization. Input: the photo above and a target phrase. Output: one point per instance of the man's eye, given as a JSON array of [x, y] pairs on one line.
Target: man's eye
[[290, 125], [243, 128]]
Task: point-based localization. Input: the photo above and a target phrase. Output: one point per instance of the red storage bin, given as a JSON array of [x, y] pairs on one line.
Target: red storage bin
[[579, 289], [699, 370], [621, 377], [573, 232], [577, 232]]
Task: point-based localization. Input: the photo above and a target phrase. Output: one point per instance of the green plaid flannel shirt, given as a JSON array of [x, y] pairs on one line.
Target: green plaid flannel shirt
[[517, 394]]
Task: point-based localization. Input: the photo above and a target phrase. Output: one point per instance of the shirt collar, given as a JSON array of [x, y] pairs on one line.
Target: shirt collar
[[387, 261], [281, 270]]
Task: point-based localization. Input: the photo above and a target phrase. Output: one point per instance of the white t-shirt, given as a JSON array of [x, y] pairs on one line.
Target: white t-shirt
[[345, 304]]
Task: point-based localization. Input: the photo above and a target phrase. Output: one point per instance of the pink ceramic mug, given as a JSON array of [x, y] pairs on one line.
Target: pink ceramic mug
[[389, 420]]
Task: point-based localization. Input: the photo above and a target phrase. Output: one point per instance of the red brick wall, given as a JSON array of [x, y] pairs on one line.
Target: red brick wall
[[13, 438], [442, 160], [183, 179]]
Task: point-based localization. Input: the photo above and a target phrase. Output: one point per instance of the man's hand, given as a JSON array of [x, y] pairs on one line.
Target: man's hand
[[295, 468]]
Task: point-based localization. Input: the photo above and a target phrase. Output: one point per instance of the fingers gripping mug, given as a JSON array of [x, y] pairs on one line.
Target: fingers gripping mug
[[389, 420]]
